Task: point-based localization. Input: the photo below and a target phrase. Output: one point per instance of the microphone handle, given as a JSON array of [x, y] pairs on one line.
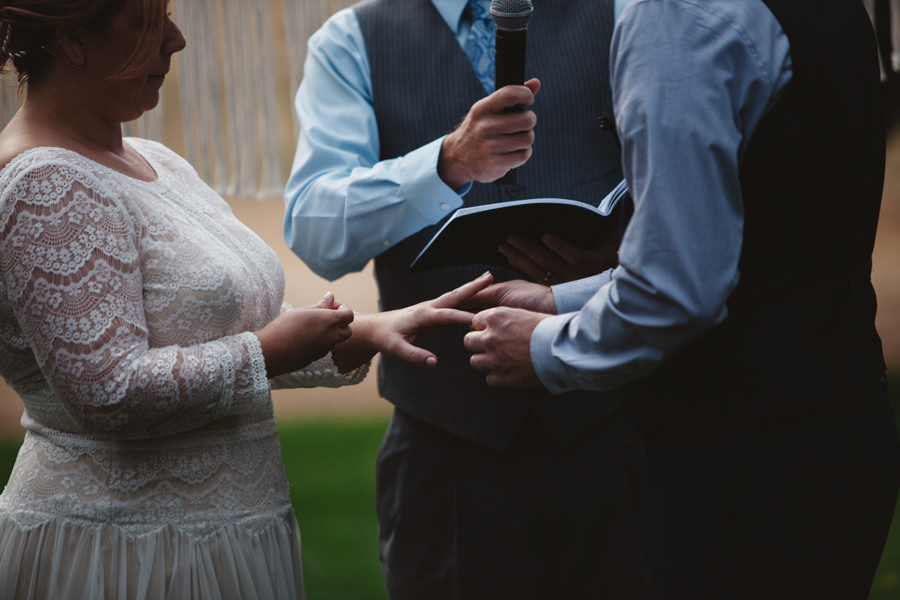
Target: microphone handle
[[509, 64]]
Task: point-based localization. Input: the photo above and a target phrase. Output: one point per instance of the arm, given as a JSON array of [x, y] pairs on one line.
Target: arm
[[690, 88], [69, 257], [344, 205]]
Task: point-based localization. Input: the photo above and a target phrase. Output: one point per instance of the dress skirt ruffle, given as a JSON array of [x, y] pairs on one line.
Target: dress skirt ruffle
[[64, 561]]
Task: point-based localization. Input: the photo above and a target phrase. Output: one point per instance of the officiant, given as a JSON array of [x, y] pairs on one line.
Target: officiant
[[481, 493]]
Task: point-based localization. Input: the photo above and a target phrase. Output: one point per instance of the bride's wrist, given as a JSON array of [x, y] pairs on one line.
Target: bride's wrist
[[359, 349]]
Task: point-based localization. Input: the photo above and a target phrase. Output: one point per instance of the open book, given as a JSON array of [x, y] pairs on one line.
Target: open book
[[471, 235]]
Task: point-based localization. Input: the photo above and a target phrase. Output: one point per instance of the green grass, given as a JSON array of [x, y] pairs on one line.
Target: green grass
[[330, 465], [887, 580]]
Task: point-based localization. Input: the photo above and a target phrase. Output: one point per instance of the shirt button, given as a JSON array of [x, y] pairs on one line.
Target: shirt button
[[445, 206], [386, 243]]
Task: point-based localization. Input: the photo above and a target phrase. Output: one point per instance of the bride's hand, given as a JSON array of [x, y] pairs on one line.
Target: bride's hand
[[301, 335], [395, 332]]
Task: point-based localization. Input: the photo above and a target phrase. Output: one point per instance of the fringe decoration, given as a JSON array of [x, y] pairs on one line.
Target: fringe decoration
[[9, 97], [228, 95], [228, 100], [895, 34]]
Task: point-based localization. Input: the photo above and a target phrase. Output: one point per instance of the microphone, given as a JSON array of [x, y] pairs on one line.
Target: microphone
[[511, 18]]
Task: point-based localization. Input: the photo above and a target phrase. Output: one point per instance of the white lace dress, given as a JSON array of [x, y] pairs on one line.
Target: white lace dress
[[151, 466]]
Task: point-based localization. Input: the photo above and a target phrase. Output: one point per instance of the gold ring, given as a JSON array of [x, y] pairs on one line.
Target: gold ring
[[547, 276]]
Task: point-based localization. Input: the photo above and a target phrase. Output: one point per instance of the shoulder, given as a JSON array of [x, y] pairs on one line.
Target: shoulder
[[751, 20], [337, 57], [744, 35], [340, 43], [341, 28], [48, 172], [52, 179]]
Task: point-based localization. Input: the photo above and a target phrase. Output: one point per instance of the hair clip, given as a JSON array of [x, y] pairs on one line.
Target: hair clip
[[13, 54]]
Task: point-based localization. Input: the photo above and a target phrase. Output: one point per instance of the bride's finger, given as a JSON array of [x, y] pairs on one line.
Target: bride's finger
[[326, 302], [413, 354], [464, 292]]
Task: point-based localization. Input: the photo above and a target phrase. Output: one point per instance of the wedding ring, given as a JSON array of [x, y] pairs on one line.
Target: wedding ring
[[547, 276]]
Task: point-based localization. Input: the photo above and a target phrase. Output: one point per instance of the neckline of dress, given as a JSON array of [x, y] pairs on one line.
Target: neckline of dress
[[133, 180]]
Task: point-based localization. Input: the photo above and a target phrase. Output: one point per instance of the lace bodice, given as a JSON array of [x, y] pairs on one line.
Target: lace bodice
[[125, 316]]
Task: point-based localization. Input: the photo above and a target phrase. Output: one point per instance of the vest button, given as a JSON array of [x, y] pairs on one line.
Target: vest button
[[514, 191]]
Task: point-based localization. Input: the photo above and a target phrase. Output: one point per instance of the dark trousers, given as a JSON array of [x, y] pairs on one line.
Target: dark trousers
[[462, 521], [798, 510]]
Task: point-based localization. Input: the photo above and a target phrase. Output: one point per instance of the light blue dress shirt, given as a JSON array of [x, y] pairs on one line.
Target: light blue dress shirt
[[344, 206], [691, 82]]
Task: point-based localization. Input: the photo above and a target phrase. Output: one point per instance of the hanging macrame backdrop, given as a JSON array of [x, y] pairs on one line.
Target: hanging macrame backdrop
[[229, 106], [232, 115]]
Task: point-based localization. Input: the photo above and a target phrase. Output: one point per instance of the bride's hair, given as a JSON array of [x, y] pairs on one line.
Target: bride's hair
[[30, 28]]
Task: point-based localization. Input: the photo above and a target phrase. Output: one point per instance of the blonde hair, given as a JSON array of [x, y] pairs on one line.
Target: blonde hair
[[29, 27]]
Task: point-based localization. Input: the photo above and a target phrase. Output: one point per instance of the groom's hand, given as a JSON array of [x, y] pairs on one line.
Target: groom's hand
[[514, 294], [501, 341]]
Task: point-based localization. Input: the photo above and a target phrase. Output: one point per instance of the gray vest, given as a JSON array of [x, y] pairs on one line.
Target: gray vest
[[423, 86]]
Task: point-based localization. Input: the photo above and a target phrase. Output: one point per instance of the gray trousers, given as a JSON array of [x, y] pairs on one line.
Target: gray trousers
[[459, 520]]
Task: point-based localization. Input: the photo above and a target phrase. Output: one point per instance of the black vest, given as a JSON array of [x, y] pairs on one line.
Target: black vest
[[800, 333], [423, 86]]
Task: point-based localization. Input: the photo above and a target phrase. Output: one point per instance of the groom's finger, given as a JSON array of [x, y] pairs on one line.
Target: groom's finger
[[448, 316], [482, 362], [474, 341]]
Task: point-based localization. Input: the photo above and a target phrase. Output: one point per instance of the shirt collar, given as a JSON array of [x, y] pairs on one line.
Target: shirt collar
[[451, 11]]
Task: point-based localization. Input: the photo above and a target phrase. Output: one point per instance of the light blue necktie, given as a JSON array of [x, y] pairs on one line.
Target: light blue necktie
[[480, 45]]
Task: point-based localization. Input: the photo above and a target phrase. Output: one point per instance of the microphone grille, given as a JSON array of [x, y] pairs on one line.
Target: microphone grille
[[511, 14]]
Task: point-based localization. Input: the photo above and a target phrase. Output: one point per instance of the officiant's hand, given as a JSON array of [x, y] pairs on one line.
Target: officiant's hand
[[490, 142], [557, 261], [501, 342], [514, 294]]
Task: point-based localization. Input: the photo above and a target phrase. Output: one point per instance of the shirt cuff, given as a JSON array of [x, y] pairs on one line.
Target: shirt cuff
[[551, 371], [574, 295], [423, 188]]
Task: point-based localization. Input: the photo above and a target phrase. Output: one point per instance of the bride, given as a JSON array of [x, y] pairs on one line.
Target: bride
[[143, 327]]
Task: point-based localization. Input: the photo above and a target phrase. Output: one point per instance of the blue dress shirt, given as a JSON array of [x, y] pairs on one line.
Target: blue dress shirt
[[344, 206], [691, 82]]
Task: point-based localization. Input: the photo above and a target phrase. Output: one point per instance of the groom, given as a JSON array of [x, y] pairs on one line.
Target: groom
[[741, 316]]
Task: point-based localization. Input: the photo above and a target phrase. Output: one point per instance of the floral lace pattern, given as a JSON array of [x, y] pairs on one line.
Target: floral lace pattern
[[125, 316]]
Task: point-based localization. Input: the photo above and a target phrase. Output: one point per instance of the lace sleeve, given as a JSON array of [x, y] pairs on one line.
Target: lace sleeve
[[69, 257], [320, 373]]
